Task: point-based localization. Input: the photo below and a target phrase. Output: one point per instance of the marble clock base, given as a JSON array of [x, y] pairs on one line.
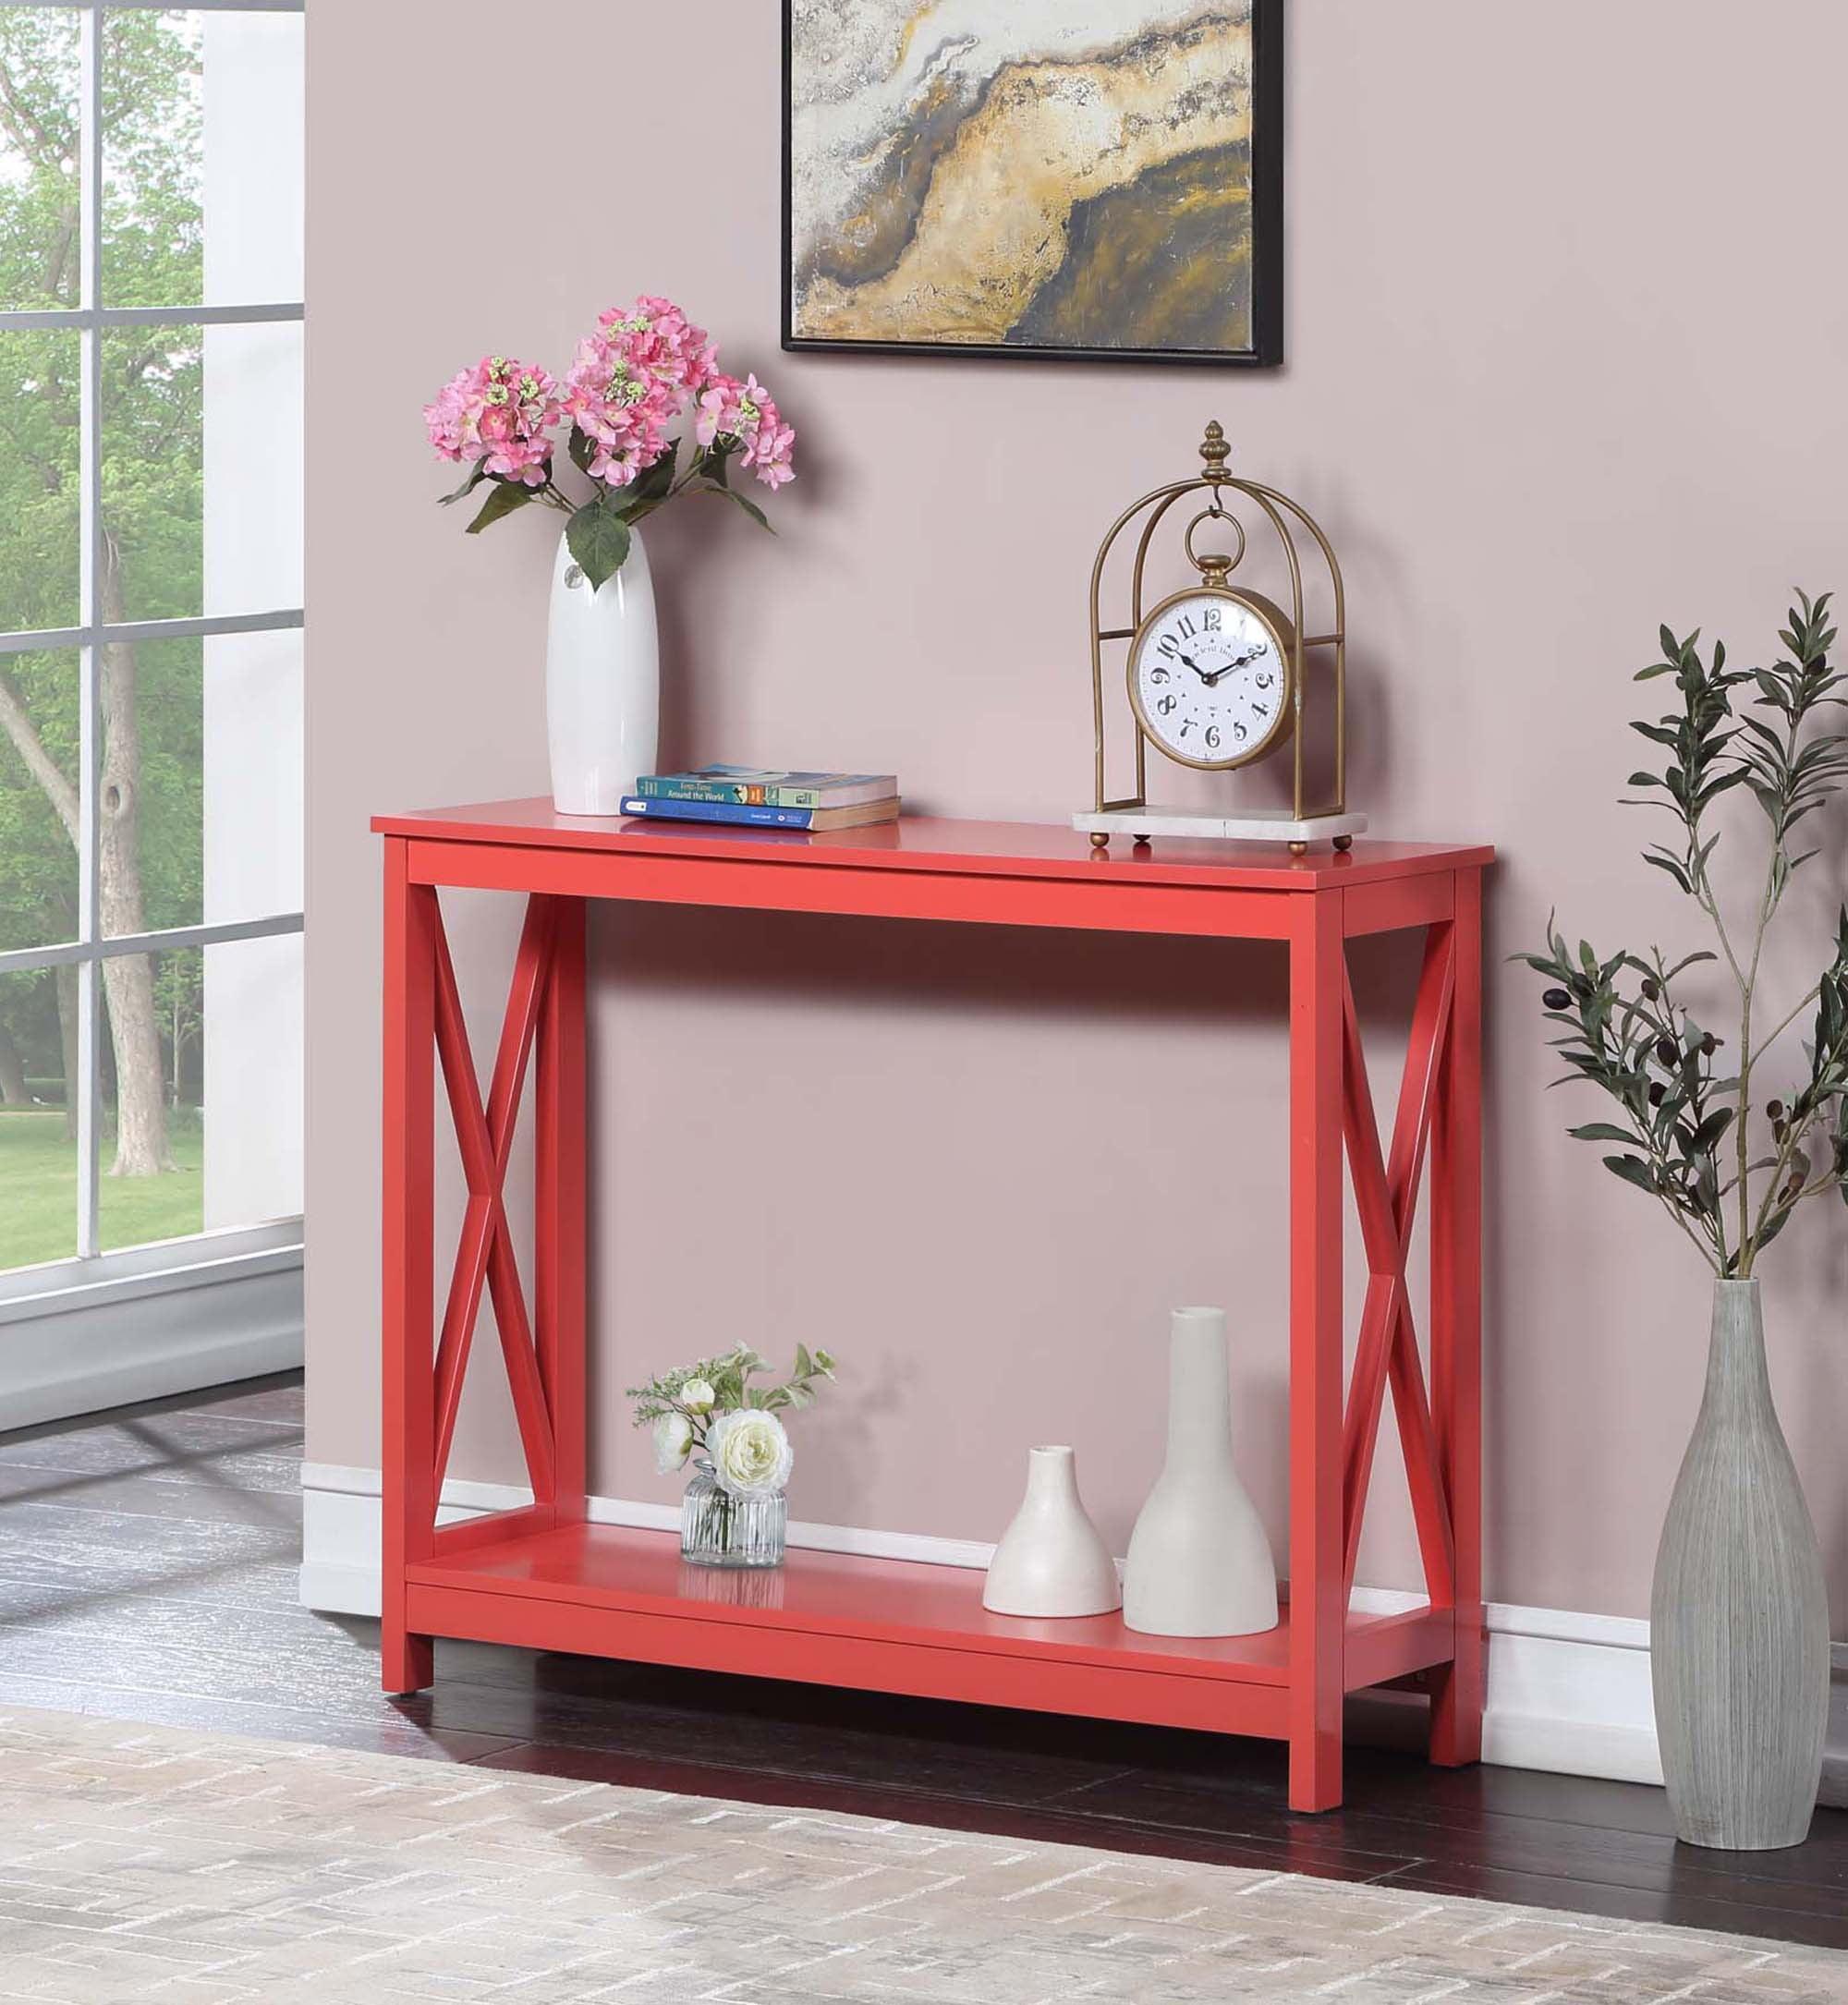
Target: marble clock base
[[1256, 825]]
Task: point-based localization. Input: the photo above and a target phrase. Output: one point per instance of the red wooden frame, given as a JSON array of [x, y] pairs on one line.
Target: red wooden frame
[[543, 1576]]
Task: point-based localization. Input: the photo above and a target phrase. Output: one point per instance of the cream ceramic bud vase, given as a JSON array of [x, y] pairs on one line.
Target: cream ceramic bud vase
[[1199, 1560], [603, 683], [1050, 1561]]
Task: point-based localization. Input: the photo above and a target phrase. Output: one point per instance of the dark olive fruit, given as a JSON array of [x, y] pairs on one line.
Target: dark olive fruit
[[1709, 1045], [1775, 1109], [1657, 1093], [1651, 988], [1667, 1049], [1557, 999]]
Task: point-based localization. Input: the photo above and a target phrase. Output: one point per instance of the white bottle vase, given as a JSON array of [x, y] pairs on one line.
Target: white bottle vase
[[1200, 1561], [603, 683], [1051, 1559]]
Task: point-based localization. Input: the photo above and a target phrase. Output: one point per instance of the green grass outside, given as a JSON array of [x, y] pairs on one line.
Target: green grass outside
[[38, 1191]]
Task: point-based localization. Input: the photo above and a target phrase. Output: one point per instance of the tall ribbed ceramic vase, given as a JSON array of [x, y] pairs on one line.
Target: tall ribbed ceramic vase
[[603, 683], [1739, 1619], [1199, 1560]]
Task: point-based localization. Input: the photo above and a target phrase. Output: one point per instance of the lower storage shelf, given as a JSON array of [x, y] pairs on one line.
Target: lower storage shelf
[[891, 1625]]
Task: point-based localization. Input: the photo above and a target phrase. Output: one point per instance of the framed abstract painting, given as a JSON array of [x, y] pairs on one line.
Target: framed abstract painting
[[1028, 178]]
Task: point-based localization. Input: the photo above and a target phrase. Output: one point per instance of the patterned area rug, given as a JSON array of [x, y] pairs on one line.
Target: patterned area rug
[[148, 1865]]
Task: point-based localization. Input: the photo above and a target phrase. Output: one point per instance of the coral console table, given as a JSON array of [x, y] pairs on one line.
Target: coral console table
[[543, 1576]]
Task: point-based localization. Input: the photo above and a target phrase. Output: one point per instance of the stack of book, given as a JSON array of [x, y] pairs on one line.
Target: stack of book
[[767, 800]]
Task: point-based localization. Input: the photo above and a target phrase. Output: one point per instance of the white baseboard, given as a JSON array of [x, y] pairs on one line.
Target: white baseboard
[[1566, 1692]]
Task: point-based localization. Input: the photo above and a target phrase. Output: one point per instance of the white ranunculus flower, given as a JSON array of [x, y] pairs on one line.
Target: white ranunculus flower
[[750, 1451], [673, 1440], [697, 1396]]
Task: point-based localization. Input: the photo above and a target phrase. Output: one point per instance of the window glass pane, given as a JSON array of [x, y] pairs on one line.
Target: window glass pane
[[39, 403], [38, 1135], [203, 159], [202, 1074], [153, 230], [38, 799], [202, 805], [151, 1185], [39, 157], [201, 478], [153, 426]]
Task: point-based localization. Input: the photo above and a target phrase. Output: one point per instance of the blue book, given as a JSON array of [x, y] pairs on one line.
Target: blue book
[[756, 786], [744, 815]]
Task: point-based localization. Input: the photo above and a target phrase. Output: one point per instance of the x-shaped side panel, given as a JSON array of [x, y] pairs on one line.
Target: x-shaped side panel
[[485, 1254], [1386, 1194]]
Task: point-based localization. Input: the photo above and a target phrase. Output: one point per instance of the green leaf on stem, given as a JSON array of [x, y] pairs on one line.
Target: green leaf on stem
[[750, 507], [508, 496], [652, 484], [477, 474], [598, 540]]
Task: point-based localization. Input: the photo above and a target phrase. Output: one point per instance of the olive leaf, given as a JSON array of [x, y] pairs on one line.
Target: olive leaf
[[1625, 1023]]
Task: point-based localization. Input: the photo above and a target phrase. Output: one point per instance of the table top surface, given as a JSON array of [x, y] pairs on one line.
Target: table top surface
[[954, 847]]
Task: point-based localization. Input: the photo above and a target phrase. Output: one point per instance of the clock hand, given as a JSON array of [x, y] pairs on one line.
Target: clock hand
[[1219, 674], [1197, 670]]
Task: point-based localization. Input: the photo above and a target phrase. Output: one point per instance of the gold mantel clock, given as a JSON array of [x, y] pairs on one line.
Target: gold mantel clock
[[1220, 676]]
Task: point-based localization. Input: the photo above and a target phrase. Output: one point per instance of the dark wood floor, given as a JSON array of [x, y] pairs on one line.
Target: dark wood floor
[[147, 1572]]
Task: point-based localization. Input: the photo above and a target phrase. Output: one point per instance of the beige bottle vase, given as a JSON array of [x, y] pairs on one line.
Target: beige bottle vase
[[1052, 1561], [1199, 1560]]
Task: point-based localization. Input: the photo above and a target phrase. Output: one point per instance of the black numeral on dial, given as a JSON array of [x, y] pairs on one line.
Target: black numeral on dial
[[1167, 704], [1213, 737]]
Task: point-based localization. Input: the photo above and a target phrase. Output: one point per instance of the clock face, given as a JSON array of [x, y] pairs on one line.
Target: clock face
[[1209, 680]]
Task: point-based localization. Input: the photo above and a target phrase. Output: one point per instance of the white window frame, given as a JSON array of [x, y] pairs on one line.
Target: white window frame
[[253, 1250]]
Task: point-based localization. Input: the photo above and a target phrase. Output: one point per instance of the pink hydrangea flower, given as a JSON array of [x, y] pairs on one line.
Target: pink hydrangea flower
[[747, 412], [768, 454], [621, 405], [499, 414], [662, 342], [631, 380]]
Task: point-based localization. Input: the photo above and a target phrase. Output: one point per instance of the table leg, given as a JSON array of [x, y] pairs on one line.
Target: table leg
[[1457, 1331], [408, 1435], [1318, 1610], [559, 1278]]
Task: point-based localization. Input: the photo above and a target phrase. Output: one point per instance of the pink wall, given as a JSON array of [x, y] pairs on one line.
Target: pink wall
[[1566, 343]]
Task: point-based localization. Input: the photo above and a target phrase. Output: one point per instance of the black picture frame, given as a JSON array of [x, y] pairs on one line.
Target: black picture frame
[[1265, 349]]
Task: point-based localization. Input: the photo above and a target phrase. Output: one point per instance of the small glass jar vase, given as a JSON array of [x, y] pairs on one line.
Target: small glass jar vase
[[720, 1529]]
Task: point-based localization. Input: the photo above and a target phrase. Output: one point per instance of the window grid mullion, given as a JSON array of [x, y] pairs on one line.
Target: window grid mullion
[[161, 940], [87, 1085]]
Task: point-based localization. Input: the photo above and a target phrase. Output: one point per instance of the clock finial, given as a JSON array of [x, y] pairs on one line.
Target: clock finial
[[1215, 452]]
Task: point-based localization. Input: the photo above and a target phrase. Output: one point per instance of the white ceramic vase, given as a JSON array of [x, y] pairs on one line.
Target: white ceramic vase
[[1199, 1560], [1051, 1559], [603, 683]]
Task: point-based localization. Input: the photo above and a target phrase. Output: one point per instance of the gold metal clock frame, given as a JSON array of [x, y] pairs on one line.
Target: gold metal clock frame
[[1290, 522]]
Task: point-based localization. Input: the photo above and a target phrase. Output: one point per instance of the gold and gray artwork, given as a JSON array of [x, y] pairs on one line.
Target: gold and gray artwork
[[1022, 173]]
